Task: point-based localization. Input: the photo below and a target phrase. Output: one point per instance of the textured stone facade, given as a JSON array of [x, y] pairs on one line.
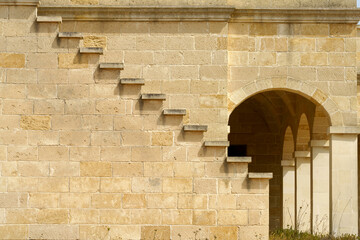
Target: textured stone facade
[[88, 152]]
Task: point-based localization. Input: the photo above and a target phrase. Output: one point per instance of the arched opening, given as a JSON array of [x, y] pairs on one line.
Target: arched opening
[[274, 128]]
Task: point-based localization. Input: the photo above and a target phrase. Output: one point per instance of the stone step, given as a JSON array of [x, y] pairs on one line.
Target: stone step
[[132, 81], [253, 175], [115, 66], [92, 50], [45, 19], [195, 128], [217, 143], [153, 96], [238, 159], [70, 35], [174, 112]]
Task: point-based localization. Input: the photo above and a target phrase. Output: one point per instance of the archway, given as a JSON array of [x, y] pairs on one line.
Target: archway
[[274, 126]]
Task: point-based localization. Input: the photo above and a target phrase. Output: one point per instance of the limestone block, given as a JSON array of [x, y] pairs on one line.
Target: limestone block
[[115, 154], [166, 200], [13, 200], [185, 169], [54, 106], [13, 231], [53, 231], [110, 106], [9, 169], [134, 57], [184, 72], [162, 138], [150, 42], [343, 30], [58, 184], [200, 57], [254, 232], [135, 138], [232, 217], [115, 216], [14, 107], [176, 217], [24, 153], [66, 122], [134, 201], [189, 232], [35, 122], [201, 217], [52, 76], [115, 184], [12, 91], [84, 184], [53, 216], [64, 169], [94, 42], [73, 61], [73, 91], [21, 216], [330, 45], [98, 122], [302, 44], [85, 216], [180, 43], [84, 2], [155, 232], [241, 43], [75, 200], [313, 59], [91, 50], [33, 169], [13, 137], [106, 200], [75, 138], [105, 138], [181, 185], [146, 185], [93, 232], [223, 233], [158, 169], [146, 154], [193, 201], [205, 186], [263, 29], [95, 169], [12, 60], [145, 216], [22, 184], [313, 29]]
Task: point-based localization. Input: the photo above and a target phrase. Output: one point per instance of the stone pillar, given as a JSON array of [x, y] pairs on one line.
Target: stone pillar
[[288, 169], [344, 181], [303, 191], [321, 186]]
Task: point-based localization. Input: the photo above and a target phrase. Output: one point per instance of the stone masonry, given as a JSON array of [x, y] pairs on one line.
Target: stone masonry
[[116, 118]]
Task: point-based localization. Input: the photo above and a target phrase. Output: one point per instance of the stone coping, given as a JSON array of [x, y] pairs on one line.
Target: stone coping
[[238, 159], [70, 35], [300, 15], [216, 143], [319, 143], [344, 130], [302, 154], [195, 128], [117, 66], [19, 2], [138, 13], [132, 81], [288, 163], [253, 175], [200, 13], [174, 112]]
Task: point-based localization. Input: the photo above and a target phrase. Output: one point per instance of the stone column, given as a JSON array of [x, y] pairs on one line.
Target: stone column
[[344, 181], [321, 186], [288, 169], [303, 191]]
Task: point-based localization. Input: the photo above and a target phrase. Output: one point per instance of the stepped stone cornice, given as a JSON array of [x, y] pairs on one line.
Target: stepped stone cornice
[[19, 2], [198, 13]]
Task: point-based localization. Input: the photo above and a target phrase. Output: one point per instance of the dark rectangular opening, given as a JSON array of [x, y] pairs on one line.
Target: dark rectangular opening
[[237, 151]]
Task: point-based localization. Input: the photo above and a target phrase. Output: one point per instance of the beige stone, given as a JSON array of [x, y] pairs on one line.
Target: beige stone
[[166, 200], [223, 233], [114, 216], [146, 185], [73, 61], [11, 60], [134, 201], [95, 169], [182, 185], [204, 217], [104, 138], [84, 184], [115, 185], [94, 41], [145, 216], [35, 122], [155, 232], [106, 200]]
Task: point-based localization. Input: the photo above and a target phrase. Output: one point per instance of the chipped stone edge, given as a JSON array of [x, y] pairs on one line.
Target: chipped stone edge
[[216, 143], [253, 175], [238, 159]]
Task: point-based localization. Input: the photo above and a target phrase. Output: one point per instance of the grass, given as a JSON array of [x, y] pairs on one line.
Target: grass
[[289, 234]]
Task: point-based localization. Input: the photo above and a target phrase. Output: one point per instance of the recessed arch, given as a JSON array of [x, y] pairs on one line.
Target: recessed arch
[[301, 88]]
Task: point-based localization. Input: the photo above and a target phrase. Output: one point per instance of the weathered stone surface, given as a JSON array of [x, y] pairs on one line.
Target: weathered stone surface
[[35, 122]]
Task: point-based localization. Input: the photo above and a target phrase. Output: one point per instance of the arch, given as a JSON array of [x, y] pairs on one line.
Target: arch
[[304, 89], [289, 145]]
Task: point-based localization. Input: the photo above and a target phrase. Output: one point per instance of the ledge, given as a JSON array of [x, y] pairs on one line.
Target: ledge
[[324, 15], [138, 13], [195, 128], [153, 96], [115, 66], [19, 3], [200, 14], [174, 112], [70, 35], [302, 154], [48, 19], [132, 81], [344, 130], [260, 175], [92, 50], [288, 163], [238, 159], [216, 143], [319, 143]]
